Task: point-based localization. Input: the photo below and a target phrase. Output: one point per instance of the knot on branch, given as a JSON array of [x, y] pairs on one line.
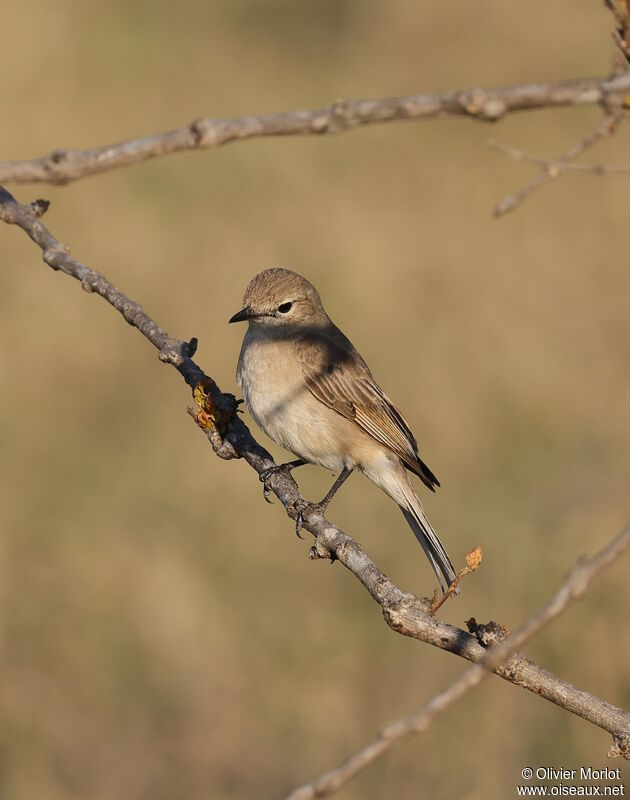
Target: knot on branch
[[58, 155], [319, 550], [399, 613], [175, 351], [207, 132], [55, 166], [196, 129], [487, 633], [190, 348], [620, 746], [40, 206], [478, 104], [55, 255], [339, 119]]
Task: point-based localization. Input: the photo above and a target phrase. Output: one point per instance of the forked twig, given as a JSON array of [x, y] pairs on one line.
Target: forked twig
[[418, 723], [606, 127], [555, 167]]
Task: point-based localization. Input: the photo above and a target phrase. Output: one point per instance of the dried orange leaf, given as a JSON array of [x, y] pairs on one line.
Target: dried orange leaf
[[474, 558], [209, 417], [199, 395]]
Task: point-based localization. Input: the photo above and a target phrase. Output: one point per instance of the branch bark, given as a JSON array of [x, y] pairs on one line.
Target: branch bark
[[405, 613], [416, 724], [64, 165]]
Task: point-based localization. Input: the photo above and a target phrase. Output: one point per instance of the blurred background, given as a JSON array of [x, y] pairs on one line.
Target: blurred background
[[163, 634]]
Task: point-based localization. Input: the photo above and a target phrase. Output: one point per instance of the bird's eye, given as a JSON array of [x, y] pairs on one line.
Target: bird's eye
[[284, 308]]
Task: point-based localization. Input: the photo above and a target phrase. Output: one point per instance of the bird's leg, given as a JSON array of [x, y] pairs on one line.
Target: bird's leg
[[323, 504], [267, 473], [342, 478]]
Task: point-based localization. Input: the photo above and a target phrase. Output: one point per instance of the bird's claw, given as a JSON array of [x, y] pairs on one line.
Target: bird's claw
[[266, 495], [301, 509], [264, 477], [299, 522], [267, 473], [307, 508], [286, 468]]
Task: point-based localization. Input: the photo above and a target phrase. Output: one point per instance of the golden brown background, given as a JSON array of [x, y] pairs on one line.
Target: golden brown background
[[163, 633]]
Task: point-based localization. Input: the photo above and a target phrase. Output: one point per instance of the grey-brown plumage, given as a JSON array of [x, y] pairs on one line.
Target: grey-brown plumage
[[342, 380], [309, 389]]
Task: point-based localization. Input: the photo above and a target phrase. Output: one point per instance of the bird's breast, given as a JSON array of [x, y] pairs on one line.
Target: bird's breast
[[267, 377], [279, 401]]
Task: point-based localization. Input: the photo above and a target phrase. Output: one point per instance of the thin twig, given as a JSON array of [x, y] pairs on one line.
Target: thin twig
[[473, 561], [418, 723], [64, 165], [405, 613], [621, 12], [606, 127], [555, 167]]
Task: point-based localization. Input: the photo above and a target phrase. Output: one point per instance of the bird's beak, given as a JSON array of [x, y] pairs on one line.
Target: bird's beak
[[243, 315]]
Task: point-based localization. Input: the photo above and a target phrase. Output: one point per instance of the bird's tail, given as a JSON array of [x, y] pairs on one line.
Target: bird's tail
[[428, 538]]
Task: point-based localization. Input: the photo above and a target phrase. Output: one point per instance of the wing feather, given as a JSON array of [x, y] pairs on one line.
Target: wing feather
[[341, 380]]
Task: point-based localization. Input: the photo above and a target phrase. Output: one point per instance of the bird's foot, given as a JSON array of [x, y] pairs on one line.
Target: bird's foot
[[277, 468], [306, 509]]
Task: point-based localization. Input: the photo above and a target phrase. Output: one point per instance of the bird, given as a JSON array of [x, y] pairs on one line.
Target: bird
[[307, 387]]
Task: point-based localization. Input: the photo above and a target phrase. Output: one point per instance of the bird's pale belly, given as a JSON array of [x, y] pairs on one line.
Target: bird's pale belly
[[288, 413]]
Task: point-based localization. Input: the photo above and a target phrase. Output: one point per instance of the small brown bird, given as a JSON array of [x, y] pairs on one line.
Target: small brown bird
[[310, 391]]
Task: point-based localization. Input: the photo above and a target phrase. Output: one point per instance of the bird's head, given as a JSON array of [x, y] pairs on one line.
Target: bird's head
[[281, 298]]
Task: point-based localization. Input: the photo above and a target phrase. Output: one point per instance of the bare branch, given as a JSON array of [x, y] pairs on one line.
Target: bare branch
[[490, 104], [418, 723], [606, 127], [405, 613]]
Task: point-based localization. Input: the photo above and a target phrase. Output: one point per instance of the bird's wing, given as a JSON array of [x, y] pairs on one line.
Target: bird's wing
[[337, 376]]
